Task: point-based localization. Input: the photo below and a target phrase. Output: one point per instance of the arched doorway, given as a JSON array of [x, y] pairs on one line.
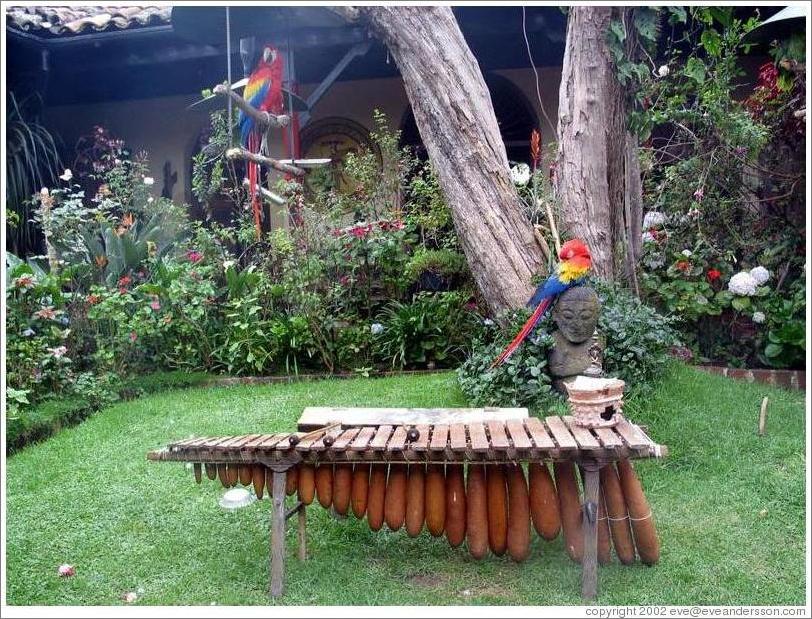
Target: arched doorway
[[514, 114]]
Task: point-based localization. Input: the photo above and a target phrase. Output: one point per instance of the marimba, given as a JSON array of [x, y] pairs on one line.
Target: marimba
[[496, 446]]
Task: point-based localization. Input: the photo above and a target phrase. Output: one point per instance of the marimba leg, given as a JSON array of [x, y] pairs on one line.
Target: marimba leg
[[589, 573], [277, 584], [302, 530]]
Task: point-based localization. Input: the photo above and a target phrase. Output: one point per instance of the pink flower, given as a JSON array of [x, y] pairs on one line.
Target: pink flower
[[66, 570], [46, 313], [133, 336], [155, 304], [358, 232], [699, 194], [344, 280], [25, 282], [194, 256]]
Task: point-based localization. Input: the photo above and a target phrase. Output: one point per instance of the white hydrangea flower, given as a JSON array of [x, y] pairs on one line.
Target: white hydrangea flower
[[760, 274], [687, 253], [66, 175], [653, 219], [663, 71], [148, 180], [487, 322], [759, 317], [376, 328], [742, 284], [520, 174]]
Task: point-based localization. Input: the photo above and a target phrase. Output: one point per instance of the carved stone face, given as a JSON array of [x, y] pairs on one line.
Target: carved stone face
[[576, 314]]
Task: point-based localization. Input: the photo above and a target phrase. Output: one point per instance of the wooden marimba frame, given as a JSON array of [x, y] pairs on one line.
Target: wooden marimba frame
[[490, 442]]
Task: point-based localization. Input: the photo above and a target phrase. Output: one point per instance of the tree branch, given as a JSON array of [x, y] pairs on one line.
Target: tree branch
[[263, 119], [268, 162]]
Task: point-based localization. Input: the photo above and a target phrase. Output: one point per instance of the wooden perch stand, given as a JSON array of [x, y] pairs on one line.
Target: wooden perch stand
[[263, 119], [268, 162]]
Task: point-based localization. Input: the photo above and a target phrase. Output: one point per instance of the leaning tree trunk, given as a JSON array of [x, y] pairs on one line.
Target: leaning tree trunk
[[592, 140], [454, 113]]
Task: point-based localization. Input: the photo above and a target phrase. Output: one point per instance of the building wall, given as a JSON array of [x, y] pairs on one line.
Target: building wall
[[168, 131]]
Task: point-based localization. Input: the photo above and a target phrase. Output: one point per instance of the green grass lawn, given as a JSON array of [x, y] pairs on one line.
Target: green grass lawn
[[729, 506]]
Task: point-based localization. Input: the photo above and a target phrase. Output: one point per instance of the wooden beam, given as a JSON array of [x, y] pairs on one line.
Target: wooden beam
[[268, 162], [277, 584], [589, 574]]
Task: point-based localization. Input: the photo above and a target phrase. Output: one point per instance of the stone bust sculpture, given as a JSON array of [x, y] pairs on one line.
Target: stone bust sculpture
[[575, 316]]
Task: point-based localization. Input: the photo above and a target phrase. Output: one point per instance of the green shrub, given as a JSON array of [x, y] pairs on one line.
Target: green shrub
[[434, 329], [444, 262], [637, 342], [523, 380], [45, 419], [637, 338], [137, 386], [786, 318]]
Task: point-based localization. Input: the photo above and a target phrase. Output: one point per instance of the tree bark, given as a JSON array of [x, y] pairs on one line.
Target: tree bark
[[634, 210], [591, 169], [454, 113]]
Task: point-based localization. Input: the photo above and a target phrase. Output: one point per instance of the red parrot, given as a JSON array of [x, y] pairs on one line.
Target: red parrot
[[264, 93], [572, 271]]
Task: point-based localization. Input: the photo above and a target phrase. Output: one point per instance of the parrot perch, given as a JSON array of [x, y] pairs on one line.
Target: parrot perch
[[264, 93], [575, 264]]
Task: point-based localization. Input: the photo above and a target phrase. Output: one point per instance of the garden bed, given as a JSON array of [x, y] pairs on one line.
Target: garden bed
[[88, 497]]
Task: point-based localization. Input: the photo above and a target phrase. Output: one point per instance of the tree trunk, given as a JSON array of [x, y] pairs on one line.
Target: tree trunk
[[454, 113], [591, 169], [634, 210]]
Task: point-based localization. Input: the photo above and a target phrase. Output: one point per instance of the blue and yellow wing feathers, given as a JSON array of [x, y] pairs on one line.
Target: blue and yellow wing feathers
[[255, 92]]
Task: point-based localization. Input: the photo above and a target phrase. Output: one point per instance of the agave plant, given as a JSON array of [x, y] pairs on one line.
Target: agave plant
[[116, 250], [32, 161]]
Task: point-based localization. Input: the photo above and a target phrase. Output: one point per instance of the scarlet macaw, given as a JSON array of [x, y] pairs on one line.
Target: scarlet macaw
[[264, 93], [572, 271]]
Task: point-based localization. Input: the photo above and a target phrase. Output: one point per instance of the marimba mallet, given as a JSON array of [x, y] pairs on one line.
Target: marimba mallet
[[328, 440]]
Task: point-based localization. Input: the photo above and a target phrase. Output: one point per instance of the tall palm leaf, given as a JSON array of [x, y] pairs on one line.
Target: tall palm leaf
[[32, 162]]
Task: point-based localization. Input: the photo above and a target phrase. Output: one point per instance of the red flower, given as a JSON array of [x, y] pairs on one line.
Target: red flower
[[535, 148], [92, 299], [359, 232], [125, 281], [683, 265], [194, 256], [713, 275]]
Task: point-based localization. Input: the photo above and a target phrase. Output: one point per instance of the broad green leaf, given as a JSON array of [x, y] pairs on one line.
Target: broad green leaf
[[740, 303], [773, 350], [711, 41], [695, 69]]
